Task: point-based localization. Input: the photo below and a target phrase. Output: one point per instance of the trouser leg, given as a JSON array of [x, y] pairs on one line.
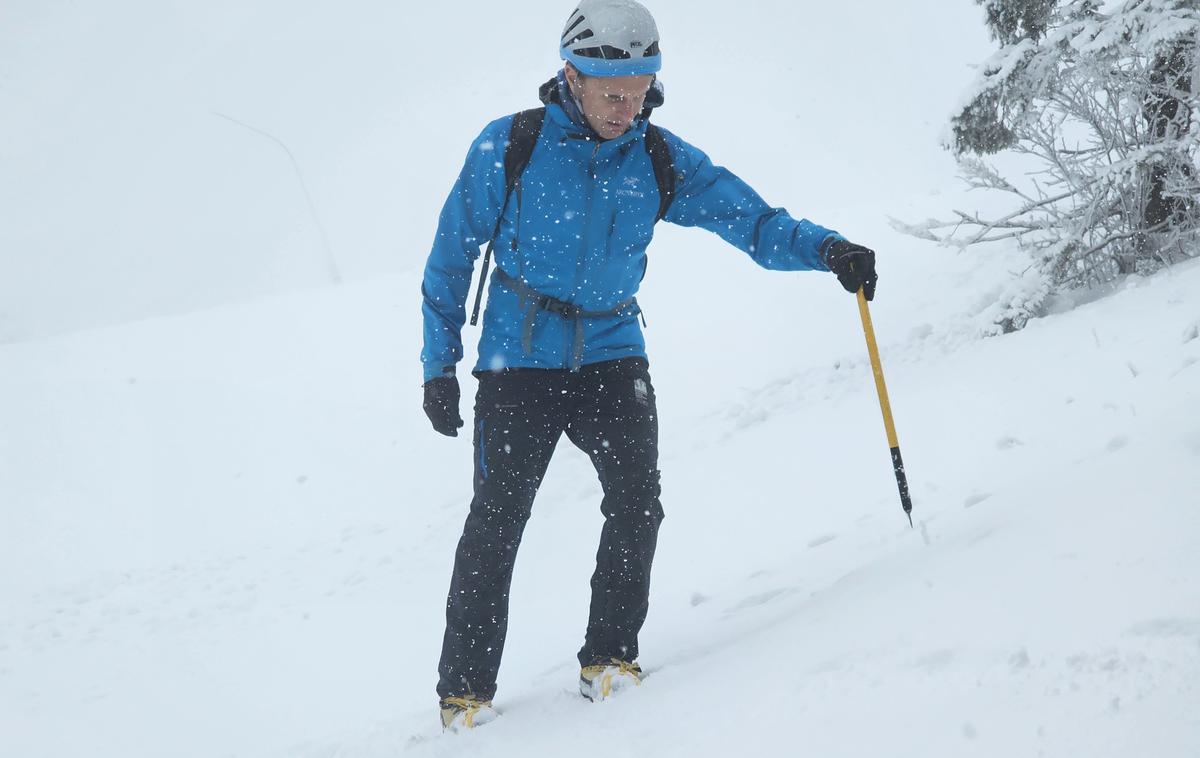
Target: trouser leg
[[616, 424], [519, 417]]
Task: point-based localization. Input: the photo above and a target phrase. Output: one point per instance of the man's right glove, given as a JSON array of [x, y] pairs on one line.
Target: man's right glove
[[854, 266], [441, 405]]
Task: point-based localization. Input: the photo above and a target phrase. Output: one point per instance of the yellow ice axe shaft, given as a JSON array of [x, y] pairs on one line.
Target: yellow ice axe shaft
[[885, 405]]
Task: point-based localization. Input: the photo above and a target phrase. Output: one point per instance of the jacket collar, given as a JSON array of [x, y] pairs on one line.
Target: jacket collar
[[563, 109]]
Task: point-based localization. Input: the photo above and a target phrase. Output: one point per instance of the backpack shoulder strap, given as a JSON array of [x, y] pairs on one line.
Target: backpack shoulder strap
[[664, 168], [522, 138]]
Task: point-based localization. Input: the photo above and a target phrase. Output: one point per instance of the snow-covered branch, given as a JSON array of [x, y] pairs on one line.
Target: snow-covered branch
[[1101, 98]]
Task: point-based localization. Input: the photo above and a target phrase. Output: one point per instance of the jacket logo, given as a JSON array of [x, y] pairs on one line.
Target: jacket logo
[[630, 188], [641, 392]]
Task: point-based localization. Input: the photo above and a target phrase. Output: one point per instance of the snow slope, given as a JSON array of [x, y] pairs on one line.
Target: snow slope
[[229, 532]]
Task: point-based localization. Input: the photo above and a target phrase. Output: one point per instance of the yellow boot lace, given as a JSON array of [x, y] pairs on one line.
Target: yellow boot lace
[[468, 706], [607, 672]]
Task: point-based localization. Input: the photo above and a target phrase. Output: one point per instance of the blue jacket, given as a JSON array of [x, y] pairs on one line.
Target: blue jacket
[[585, 217]]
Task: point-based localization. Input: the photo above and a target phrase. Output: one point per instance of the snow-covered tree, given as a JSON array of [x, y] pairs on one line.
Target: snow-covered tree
[[1096, 97]]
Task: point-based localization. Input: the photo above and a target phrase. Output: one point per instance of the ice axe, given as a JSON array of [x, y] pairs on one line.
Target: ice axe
[[885, 405]]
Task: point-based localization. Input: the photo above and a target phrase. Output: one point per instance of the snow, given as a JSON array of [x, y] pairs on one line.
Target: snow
[[227, 530]]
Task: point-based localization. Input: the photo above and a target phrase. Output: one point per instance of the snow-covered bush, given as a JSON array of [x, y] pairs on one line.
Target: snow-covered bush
[[1094, 101]]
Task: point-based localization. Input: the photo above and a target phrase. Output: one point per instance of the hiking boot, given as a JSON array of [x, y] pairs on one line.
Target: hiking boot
[[603, 680], [465, 713]]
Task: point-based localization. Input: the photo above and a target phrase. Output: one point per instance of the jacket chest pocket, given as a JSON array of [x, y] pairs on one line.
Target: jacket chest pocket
[[634, 207]]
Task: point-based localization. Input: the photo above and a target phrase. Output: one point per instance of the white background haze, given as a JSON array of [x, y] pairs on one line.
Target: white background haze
[[226, 528]]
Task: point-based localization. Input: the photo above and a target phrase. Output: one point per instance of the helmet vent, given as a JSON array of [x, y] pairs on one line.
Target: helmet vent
[[605, 52], [571, 28], [585, 34]]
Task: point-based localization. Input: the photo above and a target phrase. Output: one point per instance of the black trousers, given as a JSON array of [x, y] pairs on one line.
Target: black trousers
[[608, 411]]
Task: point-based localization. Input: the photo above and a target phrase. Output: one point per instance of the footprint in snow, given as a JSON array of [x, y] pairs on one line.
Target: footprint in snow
[[1008, 443], [920, 332], [818, 541], [761, 598], [980, 537], [975, 500], [1116, 443]]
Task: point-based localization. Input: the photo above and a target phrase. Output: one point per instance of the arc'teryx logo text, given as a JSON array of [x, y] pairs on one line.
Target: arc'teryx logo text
[[630, 188]]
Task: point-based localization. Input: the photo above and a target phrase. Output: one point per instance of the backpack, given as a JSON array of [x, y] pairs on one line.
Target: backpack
[[522, 138]]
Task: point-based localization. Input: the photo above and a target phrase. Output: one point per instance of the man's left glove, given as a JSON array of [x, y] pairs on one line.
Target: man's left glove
[[441, 405], [854, 266]]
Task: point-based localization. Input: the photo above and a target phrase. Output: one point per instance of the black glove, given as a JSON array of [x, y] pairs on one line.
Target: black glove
[[854, 266], [441, 405]]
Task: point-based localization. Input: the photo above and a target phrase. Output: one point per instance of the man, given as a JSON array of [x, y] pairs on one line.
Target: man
[[561, 349]]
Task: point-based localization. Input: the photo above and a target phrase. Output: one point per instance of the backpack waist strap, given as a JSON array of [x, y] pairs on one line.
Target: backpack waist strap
[[533, 301]]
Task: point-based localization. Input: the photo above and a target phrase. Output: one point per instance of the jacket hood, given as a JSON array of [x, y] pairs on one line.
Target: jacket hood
[[557, 92]]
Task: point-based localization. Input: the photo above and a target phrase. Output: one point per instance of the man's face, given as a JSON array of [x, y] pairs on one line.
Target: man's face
[[610, 103]]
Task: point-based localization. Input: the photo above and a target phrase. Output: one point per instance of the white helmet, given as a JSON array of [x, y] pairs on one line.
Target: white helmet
[[611, 38]]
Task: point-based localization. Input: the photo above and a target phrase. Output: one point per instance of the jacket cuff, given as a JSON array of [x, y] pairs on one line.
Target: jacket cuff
[[823, 249]]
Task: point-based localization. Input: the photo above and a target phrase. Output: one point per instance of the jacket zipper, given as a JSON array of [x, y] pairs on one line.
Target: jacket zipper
[[569, 332]]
